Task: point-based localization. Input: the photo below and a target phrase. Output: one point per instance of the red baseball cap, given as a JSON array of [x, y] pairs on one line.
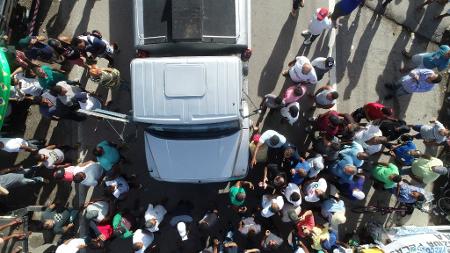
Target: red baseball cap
[[323, 13]]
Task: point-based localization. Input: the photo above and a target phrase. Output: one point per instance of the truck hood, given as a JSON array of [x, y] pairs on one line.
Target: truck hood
[[193, 161]]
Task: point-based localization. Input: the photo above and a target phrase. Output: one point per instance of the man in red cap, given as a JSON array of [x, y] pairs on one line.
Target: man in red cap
[[317, 25]]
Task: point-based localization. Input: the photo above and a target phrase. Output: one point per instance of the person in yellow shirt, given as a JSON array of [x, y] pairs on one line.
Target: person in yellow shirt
[[427, 169]]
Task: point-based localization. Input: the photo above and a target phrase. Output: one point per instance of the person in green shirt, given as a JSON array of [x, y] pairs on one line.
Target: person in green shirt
[[387, 173], [427, 169], [48, 77], [122, 225], [237, 195]]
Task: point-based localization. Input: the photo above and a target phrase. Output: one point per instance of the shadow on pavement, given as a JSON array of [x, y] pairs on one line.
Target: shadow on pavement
[[275, 64], [57, 24]]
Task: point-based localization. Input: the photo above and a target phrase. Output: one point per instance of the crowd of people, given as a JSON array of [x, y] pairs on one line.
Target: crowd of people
[[305, 190]]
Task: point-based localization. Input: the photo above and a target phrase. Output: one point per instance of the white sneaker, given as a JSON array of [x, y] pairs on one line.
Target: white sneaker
[[305, 33], [306, 42]]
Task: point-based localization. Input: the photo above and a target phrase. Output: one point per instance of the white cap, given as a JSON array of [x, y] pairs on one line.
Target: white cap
[[181, 227]]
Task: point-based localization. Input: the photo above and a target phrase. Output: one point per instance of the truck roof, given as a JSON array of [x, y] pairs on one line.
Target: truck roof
[[188, 27], [186, 90]]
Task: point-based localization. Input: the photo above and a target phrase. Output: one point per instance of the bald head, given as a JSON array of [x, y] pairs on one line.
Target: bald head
[[306, 68]]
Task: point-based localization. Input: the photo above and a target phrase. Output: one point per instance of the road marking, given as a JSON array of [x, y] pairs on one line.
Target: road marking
[[332, 52]]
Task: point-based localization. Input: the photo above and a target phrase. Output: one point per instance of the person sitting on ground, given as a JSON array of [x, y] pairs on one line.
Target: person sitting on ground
[[387, 174], [51, 157], [392, 128], [238, 195], [322, 66], [270, 138], [293, 94], [108, 78], [371, 139], [405, 152], [59, 219], [427, 169], [142, 239], [301, 71], [417, 81], [271, 241], [88, 173], [271, 205], [107, 154], [15, 145], [154, 215], [408, 194], [290, 113], [314, 190], [273, 103], [325, 97], [434, 133], [372, 111], [15, 177], [333, 210]]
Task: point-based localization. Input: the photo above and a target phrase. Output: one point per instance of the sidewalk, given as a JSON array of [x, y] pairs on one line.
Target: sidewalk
[[421, 22]]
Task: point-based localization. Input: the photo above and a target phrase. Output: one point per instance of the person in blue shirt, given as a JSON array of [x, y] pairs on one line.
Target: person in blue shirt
[[405, 152], [344, 169], [418, 80], [107, 154], [300, 172], [356, 152], [408, 194], [344, 8], [35, 49], [438, 59]]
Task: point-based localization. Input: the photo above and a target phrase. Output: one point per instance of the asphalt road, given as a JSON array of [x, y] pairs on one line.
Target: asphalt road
[[367, 50]]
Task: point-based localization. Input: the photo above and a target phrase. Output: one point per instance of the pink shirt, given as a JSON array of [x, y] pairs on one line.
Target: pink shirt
[[290, 97]]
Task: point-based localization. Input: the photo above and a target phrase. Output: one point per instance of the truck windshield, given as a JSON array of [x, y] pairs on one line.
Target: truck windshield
[[200, 131]]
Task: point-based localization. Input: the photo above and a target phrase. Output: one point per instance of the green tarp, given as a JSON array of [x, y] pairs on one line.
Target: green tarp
[[5, 85]]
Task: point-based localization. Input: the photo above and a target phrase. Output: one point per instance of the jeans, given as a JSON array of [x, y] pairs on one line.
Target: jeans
[[399, 90]]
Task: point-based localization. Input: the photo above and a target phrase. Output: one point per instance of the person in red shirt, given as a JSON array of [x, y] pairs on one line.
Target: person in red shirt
[[305, 224], [372, 111], [332, 123]]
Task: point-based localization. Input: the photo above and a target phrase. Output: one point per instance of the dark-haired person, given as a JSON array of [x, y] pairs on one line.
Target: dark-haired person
[[274, 178], [393, 128], [88, 173], [270, 138], [328, 147], [95, 46], [404, 152], [408, 194], [372, 111], [142, 239], [290, 113], [417, 81], [269, 101], [293, 194], [35, 48], [238, 195], [331, 123], [51, 157], [51, 108], [387, 174], [107, 154], [325, 97], [59, 219], [322, 65]]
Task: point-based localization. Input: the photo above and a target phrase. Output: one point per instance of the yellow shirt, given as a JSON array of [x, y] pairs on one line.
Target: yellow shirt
[[421, 168]]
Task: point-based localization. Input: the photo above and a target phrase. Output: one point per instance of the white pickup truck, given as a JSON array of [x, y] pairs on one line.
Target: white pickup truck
[[188, 86]]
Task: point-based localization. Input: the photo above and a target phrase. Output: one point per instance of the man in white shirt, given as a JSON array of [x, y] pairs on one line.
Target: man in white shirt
[[293, 195], [142, 240], [315, 189], [270, 138], [317, 25], [24, 86], [118, 187], [371, 139], [88, 173], [301, 71], [68, 94], [291, 113], [72, 246], [154, 216], [50, 157], [271, 205]]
